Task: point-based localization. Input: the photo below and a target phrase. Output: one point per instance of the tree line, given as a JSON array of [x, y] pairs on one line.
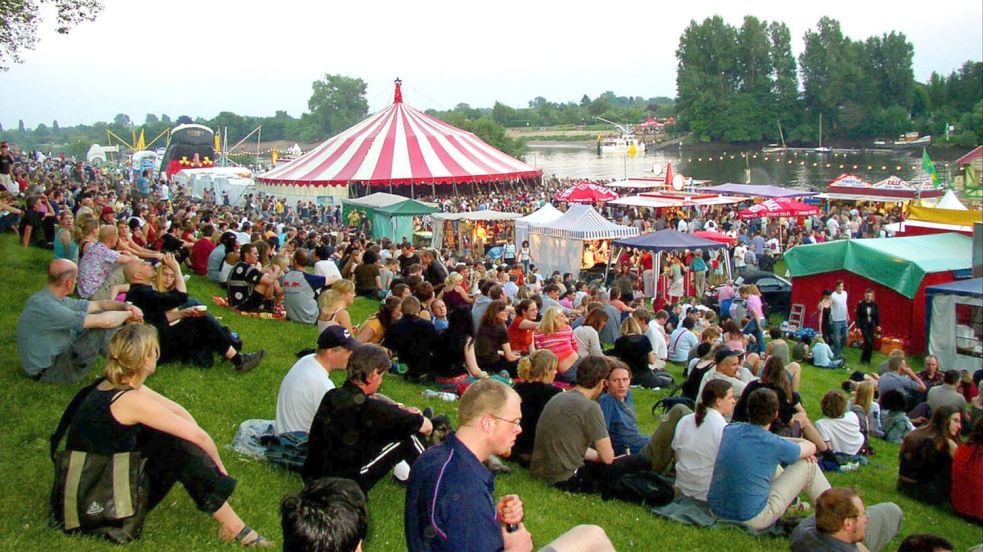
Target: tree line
[[738, 84]]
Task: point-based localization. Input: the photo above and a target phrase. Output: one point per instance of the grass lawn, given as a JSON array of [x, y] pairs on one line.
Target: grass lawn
[[220, 399]]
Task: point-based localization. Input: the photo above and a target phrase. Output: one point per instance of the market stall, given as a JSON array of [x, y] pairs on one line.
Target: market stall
[[577, 241], [897, 269], [483, 229], [670, 240], [388, 216]]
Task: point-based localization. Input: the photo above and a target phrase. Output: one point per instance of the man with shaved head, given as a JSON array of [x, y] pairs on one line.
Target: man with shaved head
[[59, 337]]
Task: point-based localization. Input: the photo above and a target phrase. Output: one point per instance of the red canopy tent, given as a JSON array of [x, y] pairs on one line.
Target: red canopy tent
[[400, 146], [778, 208], [586, 192], [714, 236]]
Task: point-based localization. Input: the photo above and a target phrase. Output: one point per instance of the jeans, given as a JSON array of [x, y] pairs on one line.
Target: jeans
[[840, 328]]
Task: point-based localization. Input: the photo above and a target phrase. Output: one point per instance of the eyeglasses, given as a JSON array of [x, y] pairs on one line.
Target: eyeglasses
[[516, 422]]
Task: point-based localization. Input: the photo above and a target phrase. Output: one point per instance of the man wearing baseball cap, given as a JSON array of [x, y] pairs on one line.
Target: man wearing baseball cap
[[301, 392], [728, 368]]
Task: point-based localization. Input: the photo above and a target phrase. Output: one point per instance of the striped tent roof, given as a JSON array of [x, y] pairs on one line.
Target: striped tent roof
[[582, 222], [399, 146]]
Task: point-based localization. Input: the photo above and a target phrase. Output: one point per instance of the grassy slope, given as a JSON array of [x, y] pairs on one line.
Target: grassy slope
[[220, 399]]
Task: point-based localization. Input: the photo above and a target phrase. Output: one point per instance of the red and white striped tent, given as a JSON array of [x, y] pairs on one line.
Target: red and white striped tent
[[399, 146]]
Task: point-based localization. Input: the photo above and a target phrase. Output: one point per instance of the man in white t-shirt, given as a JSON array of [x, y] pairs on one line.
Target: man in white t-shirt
[[727, 367], [307, 381], [739, 263], [656, 332], [840, 316], [325, 266]]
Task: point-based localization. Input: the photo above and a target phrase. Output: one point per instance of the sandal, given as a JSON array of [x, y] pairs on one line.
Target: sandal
[[258, 541]]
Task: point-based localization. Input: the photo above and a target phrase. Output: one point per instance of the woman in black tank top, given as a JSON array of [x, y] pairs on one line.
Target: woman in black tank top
[[122, 414]]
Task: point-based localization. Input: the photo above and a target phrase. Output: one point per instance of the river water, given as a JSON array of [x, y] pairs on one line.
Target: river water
[[722, 165]]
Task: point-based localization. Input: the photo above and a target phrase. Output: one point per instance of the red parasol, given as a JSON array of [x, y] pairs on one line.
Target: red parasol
[[714, 236], [778, 208], [585, 192]]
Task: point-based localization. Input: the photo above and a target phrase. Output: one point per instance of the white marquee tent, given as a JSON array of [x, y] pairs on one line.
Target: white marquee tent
[[954, 313], [545, 214], [559, 245]]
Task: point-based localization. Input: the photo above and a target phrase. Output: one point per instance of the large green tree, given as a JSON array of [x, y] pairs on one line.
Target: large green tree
[[337, 102], [19, 21]]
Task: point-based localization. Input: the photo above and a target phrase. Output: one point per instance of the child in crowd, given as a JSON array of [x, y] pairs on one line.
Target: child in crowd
[[894, 418]]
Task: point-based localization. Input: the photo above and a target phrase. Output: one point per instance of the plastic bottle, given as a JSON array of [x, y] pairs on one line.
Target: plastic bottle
[[442, 395]]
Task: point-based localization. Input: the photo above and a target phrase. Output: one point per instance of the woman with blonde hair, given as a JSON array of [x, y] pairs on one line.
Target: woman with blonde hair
[[334, 305], [536, 389], [554, 333], [455, 295], [86, 232], [863, 399], [634, 349], [122, 414]]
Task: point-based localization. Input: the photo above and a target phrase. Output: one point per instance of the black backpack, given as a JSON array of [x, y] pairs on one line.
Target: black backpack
[[643, 487]]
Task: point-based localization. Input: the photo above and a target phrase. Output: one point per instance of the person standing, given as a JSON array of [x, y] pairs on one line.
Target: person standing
[[840, 315], [7, 169], [869, 322], [699, 268]]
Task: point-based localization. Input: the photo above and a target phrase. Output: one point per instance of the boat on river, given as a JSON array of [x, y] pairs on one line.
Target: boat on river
[[621, 144], [905, 141], [890, 189]]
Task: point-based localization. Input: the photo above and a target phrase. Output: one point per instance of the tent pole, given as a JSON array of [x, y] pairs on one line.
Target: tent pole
[[412, 191], [607, 267]]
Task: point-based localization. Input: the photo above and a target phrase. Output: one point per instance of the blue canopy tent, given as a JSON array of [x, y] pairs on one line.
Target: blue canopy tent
[[669, 240]]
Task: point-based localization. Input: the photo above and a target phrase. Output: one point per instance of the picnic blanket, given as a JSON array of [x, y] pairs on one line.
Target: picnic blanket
[[279, 313], [691, 511]]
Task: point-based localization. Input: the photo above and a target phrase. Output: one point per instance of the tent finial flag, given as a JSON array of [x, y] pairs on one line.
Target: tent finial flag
[[398, 96]]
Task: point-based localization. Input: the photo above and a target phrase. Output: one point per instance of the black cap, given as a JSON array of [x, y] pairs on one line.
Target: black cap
[[723, 353], [336, 336]]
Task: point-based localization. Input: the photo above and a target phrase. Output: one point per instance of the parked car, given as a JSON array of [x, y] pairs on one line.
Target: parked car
[[776, 292]]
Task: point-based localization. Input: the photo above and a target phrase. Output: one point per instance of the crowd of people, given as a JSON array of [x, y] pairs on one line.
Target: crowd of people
[[524, 351]]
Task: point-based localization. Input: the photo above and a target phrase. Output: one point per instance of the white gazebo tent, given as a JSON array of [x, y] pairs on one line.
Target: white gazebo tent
[[559, 245], [544, 215], [485, 216], [954, 313]]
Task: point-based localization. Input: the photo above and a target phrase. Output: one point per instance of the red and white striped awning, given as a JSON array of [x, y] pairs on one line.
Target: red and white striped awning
[[399, 146]]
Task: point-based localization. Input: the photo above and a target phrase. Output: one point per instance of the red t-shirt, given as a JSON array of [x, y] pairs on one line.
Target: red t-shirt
[[519, 339], [199, 255], [967, 481]]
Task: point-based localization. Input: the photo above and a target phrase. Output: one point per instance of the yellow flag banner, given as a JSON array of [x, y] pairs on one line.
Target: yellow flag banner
[[141, 142], [944, 216]]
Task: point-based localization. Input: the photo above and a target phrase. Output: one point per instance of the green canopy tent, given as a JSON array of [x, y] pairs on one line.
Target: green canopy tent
[[391, 215], [896, 269]]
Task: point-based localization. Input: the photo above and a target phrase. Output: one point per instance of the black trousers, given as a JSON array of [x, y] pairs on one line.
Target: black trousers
[[868, 349], [173, 460], [407, 450], [193, 337], [598, 476]]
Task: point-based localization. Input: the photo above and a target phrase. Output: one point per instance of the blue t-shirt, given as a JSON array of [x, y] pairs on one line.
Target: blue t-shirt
[[619, 416], [742, 474], [450, 502]]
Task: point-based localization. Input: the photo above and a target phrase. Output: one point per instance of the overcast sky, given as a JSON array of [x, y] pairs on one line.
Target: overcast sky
[[197, 58]]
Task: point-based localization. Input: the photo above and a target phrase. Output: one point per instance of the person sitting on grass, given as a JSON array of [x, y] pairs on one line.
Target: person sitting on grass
[[537, 372], [925, 459], [334, 304], [412, 339], [618, 406], [842, 524], [327, 514], [777, 346], [491, 345], [450, 502], [802, 351], [175, 447], [967, 476], [925, 543], [863, 399], [634, 349], [252, 289], [822, 355], [727, 366], [359, 436], [523, 326], [696, 439], [186, 333], [749, 484], [554, 333], [59, 337], [573, 450], [841, 428], [894, 416], [374, 329]]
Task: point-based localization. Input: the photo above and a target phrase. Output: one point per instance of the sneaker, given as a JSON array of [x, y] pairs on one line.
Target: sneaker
[[251, 360], [798, 508]]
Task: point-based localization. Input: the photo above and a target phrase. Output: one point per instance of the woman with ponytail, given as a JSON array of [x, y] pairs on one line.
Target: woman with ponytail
[[536, 389], [122, 414], [698, 436]]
